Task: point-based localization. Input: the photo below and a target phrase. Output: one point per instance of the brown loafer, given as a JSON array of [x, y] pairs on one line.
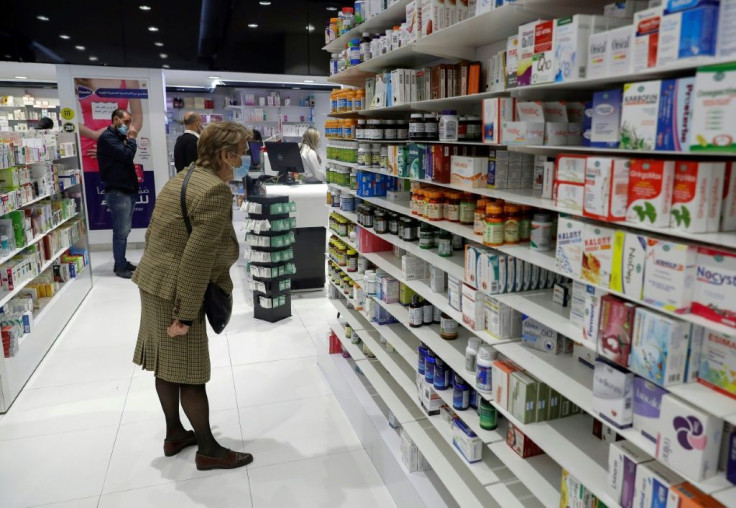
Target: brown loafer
[[174, 446], [229, 461]]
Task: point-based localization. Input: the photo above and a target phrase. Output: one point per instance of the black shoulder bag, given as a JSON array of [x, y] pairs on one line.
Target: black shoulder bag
[[218, 305]]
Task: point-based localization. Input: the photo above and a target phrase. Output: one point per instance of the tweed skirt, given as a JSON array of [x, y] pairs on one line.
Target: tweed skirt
[[184, 359]]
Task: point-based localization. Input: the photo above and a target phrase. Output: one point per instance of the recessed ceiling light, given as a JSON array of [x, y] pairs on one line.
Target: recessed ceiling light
[[213, 77], [165, 66], [80, 48], [93, 59], [252, 25], [309, 81], [144, 7], [264, 2], [163, 55], [42, 17], [310, 28], [153, 28], [64, 36], [331, 8], [20, 77], [159, 44]]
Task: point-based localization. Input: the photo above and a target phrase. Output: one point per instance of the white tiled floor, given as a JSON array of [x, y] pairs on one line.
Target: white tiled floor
[[87, 430]]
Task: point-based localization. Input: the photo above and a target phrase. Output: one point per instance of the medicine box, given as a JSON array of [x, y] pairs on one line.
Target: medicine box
[[488, 272], [675, 119], [537, 336], [520, 443], [650, 192], [597, 256], [437, 279], [713, 128], [472, 256], [468, 171], [554, 405], [432, 16], [569, 196], [431, 402], [454, 292], [629, 260], [574, 494], [653, 482], [728, 208], [623, 461], [526, 54], [613, 392], [414, 267], [646, 38], [647, 404], [616, 329], [659, 348], [472, 308], [543, 70], [697, 196], [686, 34], [467, 442], [591, 305], [726, 43], [584, 355], [715, 286], [686, 495], [689, 439], [495, 112], [522, 133], [501, 380], [606, 188], [571, 47], [570, 168], [669, 275], [523, 391], [543, 393], [597, 55], [502, 321], [620, 53], [569, 250], [643, 106], [606, 120], [717, 359]]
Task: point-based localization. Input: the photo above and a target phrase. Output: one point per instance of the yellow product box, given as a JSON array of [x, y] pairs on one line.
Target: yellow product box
[[629, 261], [597, 254]]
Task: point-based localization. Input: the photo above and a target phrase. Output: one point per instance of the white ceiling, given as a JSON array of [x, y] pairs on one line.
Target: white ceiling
[[47, 73]]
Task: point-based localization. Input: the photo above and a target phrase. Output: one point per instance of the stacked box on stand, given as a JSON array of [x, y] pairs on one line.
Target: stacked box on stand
[[270, 256]]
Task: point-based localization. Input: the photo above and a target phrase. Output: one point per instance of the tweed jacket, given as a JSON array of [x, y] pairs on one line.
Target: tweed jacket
[[176, 266]]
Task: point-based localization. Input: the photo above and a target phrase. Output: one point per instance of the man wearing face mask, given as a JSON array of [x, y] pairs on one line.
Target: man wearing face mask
[[185, 150], [116, 149]]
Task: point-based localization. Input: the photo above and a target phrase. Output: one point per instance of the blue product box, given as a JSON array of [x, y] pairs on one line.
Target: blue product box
[[675, 115], [605, 121], [415, 162], [647, 402], [731, 467], [587, 123], [427, 162], [686, 34], [389, 92], [671, 6]]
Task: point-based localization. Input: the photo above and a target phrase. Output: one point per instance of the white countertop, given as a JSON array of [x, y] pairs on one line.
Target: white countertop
[[309, 198]]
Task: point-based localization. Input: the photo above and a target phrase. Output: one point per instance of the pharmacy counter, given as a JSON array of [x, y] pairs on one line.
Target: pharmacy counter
[[309, 250]]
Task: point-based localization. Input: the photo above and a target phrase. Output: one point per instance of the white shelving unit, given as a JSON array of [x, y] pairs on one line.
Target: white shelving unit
[[568, 442], [54, 313]]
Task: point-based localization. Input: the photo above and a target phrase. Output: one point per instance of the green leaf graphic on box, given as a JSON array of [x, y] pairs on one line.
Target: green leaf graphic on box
[[640, 212], [678, 217], [650, 212], [686, 216]]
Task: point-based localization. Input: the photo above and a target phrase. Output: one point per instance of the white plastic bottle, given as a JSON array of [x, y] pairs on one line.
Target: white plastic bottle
[[471, 354], [370, 282], [483, 370]]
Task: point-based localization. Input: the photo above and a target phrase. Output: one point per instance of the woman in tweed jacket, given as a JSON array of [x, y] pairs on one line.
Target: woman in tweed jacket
[[172, 278]]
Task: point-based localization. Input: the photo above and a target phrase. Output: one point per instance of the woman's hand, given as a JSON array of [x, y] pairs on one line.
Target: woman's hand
[[177, 329]]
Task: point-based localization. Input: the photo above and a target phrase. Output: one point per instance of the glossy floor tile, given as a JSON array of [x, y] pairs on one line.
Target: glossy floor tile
[[89, 429]]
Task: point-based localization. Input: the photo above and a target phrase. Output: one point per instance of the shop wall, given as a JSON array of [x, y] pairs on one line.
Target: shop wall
[[152, 145]]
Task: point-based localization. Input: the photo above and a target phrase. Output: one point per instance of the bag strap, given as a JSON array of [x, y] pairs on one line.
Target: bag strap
[[183, 199]]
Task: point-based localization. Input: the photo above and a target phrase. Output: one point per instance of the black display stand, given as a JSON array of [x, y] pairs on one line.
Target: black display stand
[[273, 314]]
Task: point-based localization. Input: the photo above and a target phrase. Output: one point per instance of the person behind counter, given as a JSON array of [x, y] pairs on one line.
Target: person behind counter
[[310, 158]]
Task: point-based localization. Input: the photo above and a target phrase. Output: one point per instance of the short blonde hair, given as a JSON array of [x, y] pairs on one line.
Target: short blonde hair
[[218, 137]]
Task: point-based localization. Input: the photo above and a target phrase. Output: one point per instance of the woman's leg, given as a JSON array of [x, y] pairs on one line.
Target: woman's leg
[[197, 408], [168, 395]]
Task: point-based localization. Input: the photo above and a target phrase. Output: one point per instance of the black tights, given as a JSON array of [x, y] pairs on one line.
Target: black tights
[[197, 408]]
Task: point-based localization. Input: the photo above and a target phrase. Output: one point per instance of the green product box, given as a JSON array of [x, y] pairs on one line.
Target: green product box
[[523, 393], [543, 394], [18, 218], [416, 160], [554, 405], [405, 294]]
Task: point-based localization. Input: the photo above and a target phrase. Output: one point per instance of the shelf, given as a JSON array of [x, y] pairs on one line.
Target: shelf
[[397, 400], [340, 163], [33, 242], [554, 150], [45, 304], [355, 352], [394, 14], [406, 56], [538, 304], [356, 320], [541, 475]]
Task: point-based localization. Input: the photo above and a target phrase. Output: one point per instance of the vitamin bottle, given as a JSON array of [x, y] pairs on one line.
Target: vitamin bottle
[[488, 415], [427, 313], [467, 209], [483, 369], [460, 394], [421, 357], [494, 227], [416, 313], [452, 207], [441, 375], [525, 223], [511, 224], [471, 354], [429, 364], [479, 222], [434, 206]]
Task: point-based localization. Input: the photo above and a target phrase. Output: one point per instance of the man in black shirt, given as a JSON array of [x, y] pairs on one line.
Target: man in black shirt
[[116, 149], [185, 150]]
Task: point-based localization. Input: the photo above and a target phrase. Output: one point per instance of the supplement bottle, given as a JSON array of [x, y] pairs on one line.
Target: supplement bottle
[[448, 126], [427, 313], [525, 223], [352, 260], [354, 47], [436, 315], [389, 131], [431, 127], [475, 129], [541, 235], [434, 206], [488, 415], [467, 209], [421, 357], [511, 224], [441, 375], [370, 283], [460, 394], [365, 47], [462, 128], [471, 353], [479, 222], [426, 236], [494, 231], [452, 207], [483, 369], [429, 364], [444, 244], [416, 127], [393, 223], [448, 327], [416, 313]]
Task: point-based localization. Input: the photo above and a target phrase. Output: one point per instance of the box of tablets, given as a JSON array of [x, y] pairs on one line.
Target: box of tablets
[[623, 461]]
